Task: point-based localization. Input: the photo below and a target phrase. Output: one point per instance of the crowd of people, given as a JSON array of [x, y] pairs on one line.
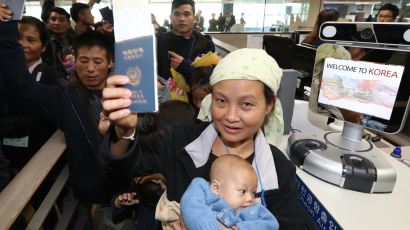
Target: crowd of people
[[153, 164]]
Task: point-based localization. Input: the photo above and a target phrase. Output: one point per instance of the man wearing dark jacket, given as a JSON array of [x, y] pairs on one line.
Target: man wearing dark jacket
[[4, 163], [4, 172], [60, 45], [179, 47], [74, 108]]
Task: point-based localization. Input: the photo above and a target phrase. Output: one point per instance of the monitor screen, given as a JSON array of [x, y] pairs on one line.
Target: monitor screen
[[371, 89]]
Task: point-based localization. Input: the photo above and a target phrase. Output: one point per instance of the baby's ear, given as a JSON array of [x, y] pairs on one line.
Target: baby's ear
[[215, 186]]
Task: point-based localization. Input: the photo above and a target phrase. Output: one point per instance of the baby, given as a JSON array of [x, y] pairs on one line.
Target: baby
[[229, 198]]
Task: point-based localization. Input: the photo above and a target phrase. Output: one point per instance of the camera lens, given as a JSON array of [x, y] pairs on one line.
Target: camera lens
[[367, 34], [406, 35], [329, 31]]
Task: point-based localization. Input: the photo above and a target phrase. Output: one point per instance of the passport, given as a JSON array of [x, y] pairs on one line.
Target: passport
[[135, 58], [135, 55]]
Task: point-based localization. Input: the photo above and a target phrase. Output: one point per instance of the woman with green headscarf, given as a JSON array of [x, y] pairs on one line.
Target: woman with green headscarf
[[246, 121]]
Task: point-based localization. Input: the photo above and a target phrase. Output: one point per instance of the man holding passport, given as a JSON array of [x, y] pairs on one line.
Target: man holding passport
[[73, 107], [179, 47]]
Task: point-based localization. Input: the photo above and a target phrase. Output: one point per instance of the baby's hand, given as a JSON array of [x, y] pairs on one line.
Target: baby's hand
[[126, 199]]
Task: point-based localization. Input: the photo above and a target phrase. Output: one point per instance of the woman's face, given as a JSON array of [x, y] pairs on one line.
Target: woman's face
[[29, 38], [238, 109]]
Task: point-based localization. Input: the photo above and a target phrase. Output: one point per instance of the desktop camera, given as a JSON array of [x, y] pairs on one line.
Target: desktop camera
[[370, 33]]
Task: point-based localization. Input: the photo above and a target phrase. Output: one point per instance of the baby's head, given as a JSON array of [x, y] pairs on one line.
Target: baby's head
[[234, 179]]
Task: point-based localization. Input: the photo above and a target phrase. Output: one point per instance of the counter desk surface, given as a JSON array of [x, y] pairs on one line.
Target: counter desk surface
[[351, 209]]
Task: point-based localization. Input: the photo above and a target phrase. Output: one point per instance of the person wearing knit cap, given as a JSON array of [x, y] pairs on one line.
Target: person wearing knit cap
[[244, 119]]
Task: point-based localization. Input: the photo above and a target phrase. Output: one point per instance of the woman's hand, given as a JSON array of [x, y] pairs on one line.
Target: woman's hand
[[104, 124], [115, 102], [5, 14]]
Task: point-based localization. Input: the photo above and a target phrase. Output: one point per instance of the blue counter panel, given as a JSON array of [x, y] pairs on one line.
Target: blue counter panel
[[316, 210]]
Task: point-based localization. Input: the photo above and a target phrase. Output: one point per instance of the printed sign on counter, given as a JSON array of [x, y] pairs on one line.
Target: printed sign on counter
[[362, 87]]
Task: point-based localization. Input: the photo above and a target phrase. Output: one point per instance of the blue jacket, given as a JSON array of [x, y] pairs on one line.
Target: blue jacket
[[201, 209]]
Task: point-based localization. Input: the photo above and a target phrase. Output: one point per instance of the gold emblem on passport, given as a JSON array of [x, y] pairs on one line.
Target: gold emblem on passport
[[134, 74]]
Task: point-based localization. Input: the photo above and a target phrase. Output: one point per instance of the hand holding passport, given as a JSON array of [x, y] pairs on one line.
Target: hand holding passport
[[11, 9], [5, 14]]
